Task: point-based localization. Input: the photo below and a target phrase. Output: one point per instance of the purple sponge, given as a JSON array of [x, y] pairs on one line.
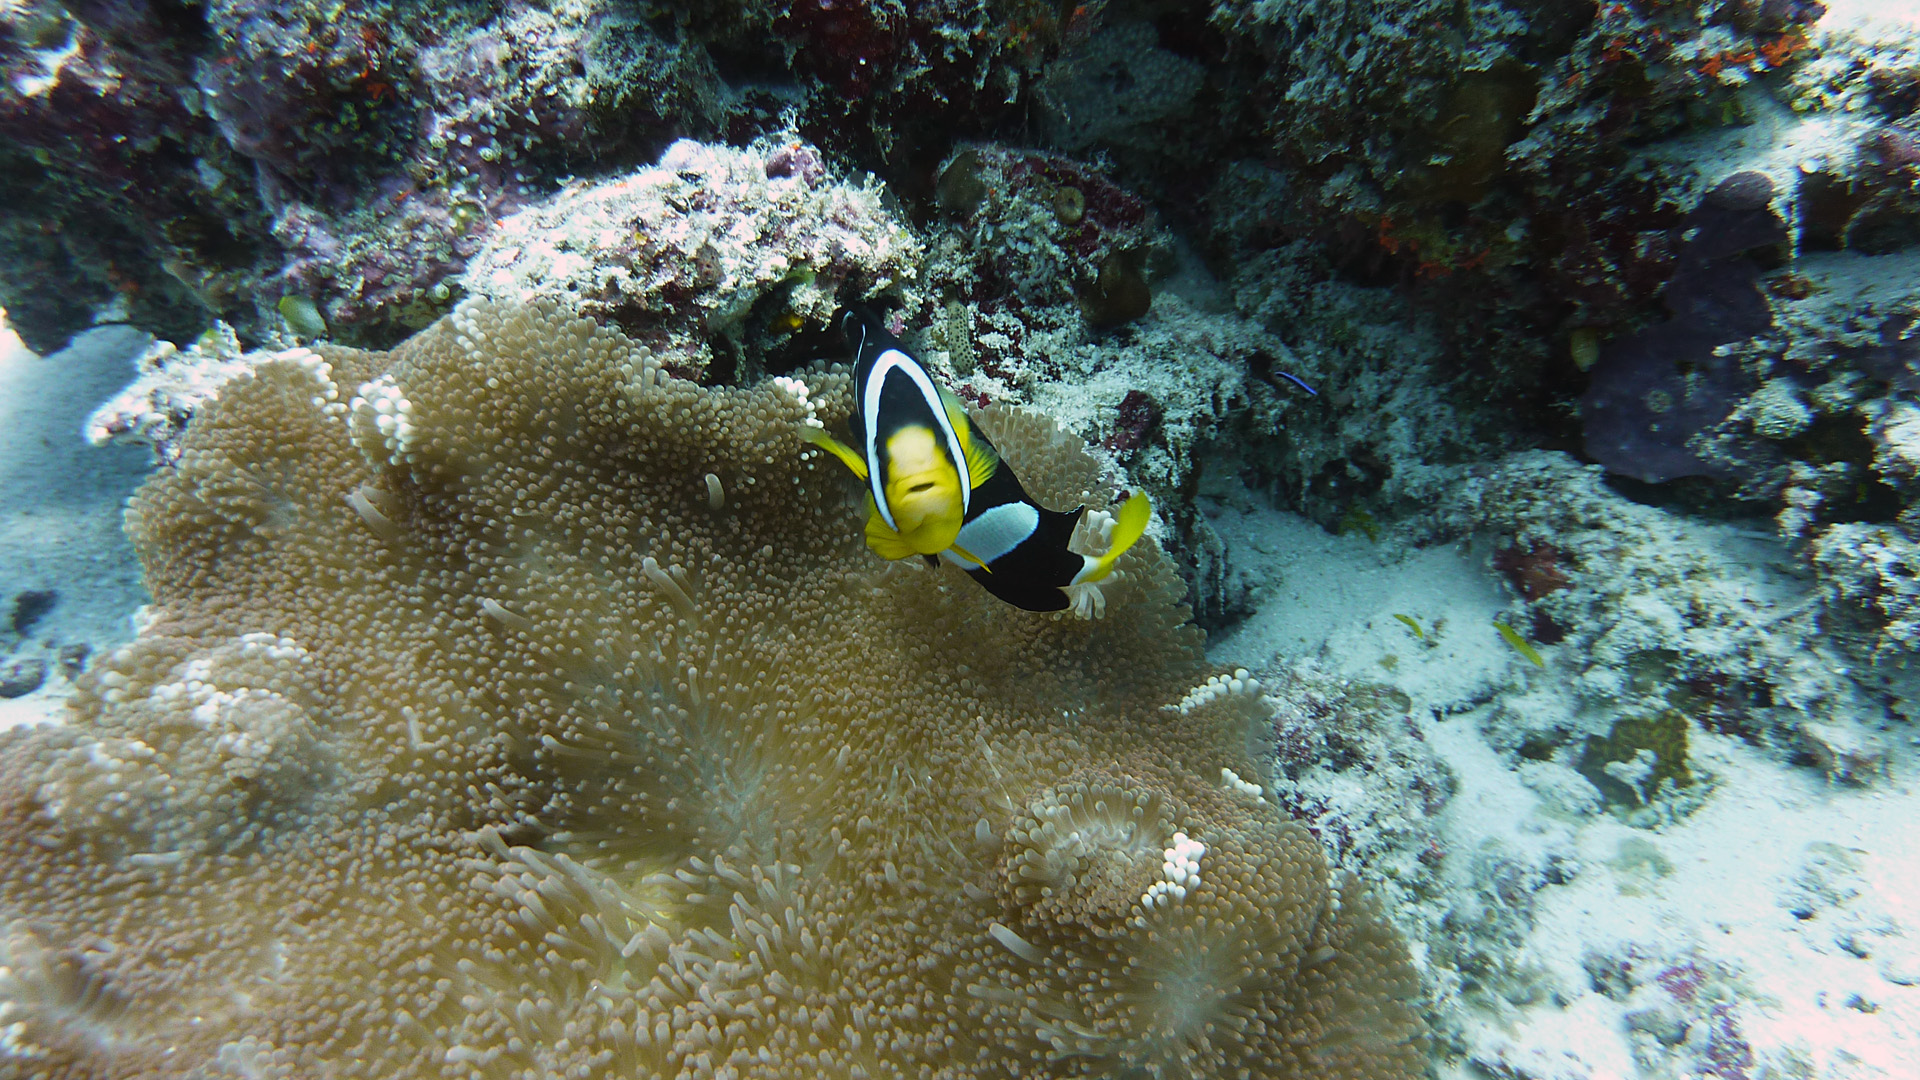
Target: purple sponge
[[1656, 388]]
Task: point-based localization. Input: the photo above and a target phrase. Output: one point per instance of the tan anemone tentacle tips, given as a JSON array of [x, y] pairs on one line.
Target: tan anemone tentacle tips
[[469, 740]]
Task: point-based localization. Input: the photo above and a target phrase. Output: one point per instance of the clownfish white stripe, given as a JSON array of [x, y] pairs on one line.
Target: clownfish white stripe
[[996, 532], [884, 366], [937, 488]]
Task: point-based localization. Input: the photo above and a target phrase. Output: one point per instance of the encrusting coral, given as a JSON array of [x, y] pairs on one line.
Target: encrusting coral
[[709, 245], [511, 708]]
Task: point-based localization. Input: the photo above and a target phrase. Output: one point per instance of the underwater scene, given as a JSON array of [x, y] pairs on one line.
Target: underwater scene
[[1140, 539]]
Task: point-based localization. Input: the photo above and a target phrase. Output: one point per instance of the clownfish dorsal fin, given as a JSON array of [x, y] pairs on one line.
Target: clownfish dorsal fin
[[838, 449], [981, 460], [1129, 523], [881, 537]]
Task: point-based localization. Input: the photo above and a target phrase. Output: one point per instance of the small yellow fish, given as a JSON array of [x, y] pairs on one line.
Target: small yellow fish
[[1521, 645]]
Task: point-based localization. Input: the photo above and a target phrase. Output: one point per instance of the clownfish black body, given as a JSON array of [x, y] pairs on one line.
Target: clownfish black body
[[936, 487]]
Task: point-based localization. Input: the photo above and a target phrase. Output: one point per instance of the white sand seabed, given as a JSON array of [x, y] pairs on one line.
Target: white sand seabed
[[1797, 901], [1851, 14], [60, 506]]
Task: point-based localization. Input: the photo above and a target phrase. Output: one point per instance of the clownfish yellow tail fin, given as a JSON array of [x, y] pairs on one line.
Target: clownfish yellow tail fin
[[981, 460], [837, 448], [1129, 524]]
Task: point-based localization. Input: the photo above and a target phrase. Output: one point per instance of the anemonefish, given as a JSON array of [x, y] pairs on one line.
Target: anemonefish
[[937, 488]]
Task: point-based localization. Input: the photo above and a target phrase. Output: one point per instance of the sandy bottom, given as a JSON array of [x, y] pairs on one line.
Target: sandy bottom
[[1773, 931], [60, 503]]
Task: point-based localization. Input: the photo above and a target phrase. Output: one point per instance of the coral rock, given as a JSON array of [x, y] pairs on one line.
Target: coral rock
[[1655, 390], [22, 677], [680, 252], [1535, 571]]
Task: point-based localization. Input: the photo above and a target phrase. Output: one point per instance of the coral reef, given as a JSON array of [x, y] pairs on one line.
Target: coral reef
[[1656, 389], [1353, 766], [1645, 207], [498, 111], [1367, 282], [1327, 727], [1027, 230], [170, 385], [117, 190], [205, 160], [1475, 151], [511, 706], [1118, 86], [1690, 622], [1874, 570], [713, 256], [1046, 283]]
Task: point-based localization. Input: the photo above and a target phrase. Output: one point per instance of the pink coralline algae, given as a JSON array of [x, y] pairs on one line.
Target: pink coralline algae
[[1729, 1056], [1682, 980], [1134, 425]]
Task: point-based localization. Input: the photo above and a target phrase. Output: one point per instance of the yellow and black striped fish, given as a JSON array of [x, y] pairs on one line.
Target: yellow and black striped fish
[[937, 488]]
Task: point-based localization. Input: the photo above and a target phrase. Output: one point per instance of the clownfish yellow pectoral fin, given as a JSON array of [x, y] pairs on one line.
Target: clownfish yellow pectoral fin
[[981, 460], [978, 563], [838, 449], [881, 536], [1129, 523]]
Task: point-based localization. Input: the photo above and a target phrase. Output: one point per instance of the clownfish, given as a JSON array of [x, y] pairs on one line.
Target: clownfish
[[936, 487]]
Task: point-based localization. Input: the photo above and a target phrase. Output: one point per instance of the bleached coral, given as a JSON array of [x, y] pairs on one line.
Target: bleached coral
[[509, 755], [681, 251], [1238, 684], [1179, 871], [1656, 609], [1875, 568], [170, 384]]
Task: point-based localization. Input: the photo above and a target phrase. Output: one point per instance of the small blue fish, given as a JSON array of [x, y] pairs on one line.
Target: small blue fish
[[936, 487]]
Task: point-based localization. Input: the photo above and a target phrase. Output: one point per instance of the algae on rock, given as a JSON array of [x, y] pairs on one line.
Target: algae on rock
[[1639, 756]]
